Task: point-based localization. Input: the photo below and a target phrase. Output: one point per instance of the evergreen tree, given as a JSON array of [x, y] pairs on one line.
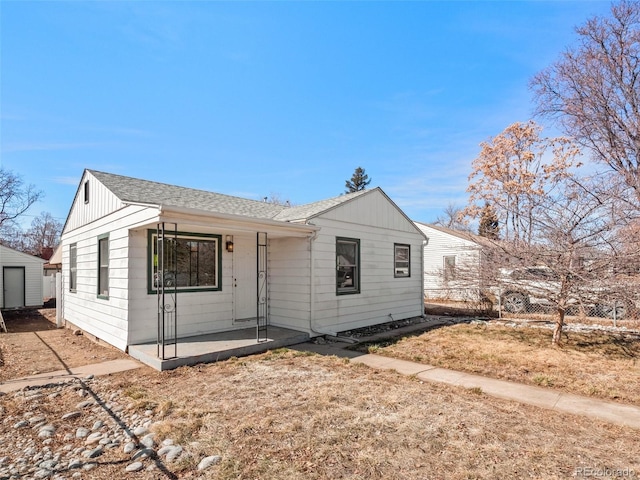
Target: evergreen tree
[[359, 181], [489, 227]]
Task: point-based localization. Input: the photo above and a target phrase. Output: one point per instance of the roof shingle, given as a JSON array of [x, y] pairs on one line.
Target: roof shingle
[[136, 190]]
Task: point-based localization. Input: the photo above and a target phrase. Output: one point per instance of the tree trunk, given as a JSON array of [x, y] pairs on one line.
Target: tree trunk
[[557, 331]]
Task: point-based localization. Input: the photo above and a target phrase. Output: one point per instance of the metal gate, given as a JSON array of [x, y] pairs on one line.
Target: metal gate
[[263, 291], [165, 281]]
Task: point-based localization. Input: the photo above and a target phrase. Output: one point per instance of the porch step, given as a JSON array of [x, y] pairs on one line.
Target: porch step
[[217, 346]]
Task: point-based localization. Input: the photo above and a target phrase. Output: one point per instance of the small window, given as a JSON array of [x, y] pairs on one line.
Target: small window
[[402, 260], [86, 191], [73, 267], [103, 266], [347, 265], [449, 268]]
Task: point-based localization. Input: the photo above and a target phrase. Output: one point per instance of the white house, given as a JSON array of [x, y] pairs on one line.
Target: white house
[[143, 259], [20, 279], [452, 260]]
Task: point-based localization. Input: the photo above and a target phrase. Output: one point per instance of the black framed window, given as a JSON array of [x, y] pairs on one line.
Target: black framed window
[[192, 262], [401, 260], [347, 265]]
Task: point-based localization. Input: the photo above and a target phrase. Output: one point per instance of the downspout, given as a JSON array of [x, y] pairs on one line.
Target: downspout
[[312, 286], [312, 290]]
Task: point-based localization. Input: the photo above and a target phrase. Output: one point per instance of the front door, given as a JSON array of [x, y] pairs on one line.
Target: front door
[[244, 279], [13, 281]]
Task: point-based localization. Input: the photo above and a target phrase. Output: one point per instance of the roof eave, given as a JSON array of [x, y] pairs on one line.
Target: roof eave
[[304, 229]]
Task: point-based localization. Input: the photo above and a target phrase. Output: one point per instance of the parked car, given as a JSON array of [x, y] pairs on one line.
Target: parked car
[[529, 289]]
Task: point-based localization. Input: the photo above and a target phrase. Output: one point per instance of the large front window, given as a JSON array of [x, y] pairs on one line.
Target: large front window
[[186, 261], [347, 265]]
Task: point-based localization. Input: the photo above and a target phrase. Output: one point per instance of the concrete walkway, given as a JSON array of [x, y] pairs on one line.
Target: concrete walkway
[[617, 413], [103, 368]]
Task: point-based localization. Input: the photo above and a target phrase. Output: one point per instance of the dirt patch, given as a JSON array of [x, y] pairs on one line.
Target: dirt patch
[[33, 345]]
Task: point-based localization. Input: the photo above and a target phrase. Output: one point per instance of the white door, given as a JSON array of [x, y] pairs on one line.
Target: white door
[[244, 279], [13, 287]]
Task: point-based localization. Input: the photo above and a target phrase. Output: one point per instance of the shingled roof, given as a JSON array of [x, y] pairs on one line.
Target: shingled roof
[[136, 190]]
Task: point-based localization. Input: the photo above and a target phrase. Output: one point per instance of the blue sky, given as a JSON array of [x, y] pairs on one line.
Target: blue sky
[[263, 99]]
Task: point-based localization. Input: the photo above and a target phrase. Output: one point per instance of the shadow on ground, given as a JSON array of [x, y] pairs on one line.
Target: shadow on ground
[[29, 320]]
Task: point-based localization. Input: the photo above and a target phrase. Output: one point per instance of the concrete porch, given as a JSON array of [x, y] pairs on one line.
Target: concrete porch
[[215, 346]]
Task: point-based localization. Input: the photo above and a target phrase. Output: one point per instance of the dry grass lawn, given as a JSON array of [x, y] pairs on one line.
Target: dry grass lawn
[[287, 414], [596, 364]]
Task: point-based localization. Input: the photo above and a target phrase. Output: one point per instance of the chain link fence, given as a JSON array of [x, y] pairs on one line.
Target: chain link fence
[[518, 304]]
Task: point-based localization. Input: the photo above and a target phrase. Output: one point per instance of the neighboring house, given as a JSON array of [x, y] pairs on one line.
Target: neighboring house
[[20, 279], [51, 269], [53, 266], [228, 263], [452, 262]]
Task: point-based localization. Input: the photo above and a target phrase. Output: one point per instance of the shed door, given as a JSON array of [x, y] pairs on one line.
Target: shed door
[[244, 279], [13, 287]]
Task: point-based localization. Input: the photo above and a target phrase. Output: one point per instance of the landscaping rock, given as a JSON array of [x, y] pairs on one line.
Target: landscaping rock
[[134, 467], [207, 462]]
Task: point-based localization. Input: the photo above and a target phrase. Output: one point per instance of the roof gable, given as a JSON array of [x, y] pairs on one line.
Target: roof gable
[[371, 207], [6, 251], [306, 212], [458, 234]]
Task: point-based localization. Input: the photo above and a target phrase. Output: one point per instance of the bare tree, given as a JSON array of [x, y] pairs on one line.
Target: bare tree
[[562, 227], [15, 197], [452, 217], [12, 236], [43, 236], [593, 90], [511, 170]]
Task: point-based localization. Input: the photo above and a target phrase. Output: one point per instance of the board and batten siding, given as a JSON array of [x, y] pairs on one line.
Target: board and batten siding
[[101, 203], [104, 318], [440, 245], [33, 272]]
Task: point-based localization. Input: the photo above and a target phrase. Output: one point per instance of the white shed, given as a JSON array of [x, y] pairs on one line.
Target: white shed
[[20, 279], [141, 257]]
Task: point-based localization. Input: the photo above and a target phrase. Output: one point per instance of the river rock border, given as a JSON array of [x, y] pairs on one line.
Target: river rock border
[[37, 441]]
